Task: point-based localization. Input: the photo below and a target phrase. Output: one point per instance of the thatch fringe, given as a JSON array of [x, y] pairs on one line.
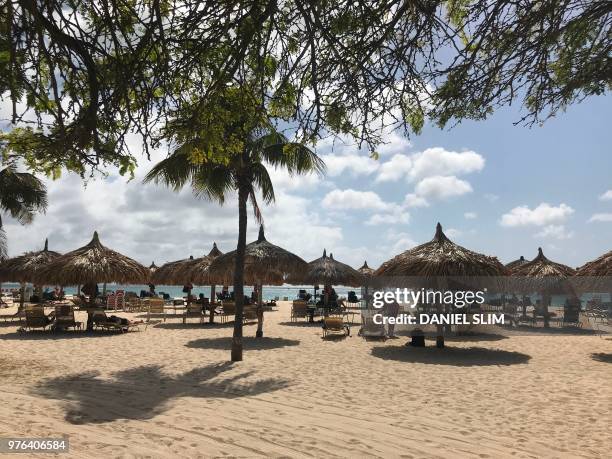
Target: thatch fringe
[[541, 266]]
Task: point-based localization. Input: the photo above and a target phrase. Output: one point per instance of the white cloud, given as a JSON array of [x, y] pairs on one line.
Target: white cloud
[[555, 232], [453, 232], [441, 187], [434, 161], [440, 162], [470, 215], [353, 164], [542, 215], [607, 196], [352, 199], [394, 218], [393, 170], [413, 200], [601, 218]]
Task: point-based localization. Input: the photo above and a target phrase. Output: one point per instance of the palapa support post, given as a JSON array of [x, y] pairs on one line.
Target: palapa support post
[[212, 304], [260, 312]]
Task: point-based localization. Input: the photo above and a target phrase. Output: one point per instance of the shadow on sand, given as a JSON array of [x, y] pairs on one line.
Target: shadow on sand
[[602, 357], [249, 343], [36, 335], [456, 356], [302, 323], [144, 392], [201, 326]]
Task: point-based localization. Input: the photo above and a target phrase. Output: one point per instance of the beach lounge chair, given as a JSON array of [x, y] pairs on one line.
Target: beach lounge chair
[[64, 318], [229, 309], [35, 318], [16, 316], [193, 310], [249, 312], [335, 325], [369, 329], [156, 308], [102, 322], [299, 309]]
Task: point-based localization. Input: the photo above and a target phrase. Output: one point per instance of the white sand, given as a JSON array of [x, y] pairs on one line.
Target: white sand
[[170, 391]]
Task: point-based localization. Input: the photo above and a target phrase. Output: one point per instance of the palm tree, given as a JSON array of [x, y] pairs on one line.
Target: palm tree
[[21, 196], [244, 173]]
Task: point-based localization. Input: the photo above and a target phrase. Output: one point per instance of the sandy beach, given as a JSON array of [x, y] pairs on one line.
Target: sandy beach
[[169, 391]]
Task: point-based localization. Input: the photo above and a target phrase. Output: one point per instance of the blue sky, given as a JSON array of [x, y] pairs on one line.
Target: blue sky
[[496, 188]]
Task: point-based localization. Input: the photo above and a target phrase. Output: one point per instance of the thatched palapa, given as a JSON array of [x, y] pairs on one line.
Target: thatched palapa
[[541, 267], [92, 263], [327, 271], [197, 270], [441, 257], [516, 263], [170, 273], [601, 266], [366, 270], [596, 275], [25, 267], [264, 263]]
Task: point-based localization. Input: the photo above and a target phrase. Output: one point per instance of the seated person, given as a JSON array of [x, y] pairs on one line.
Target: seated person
[[352, 297]]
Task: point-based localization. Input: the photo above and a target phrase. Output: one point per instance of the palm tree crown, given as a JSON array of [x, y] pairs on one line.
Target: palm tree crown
[[21, 195]]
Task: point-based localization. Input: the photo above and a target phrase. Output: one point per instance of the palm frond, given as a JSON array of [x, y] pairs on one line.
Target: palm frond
[[213, 182], [295, 157], [21, 194], [261, 180], [174, 171], [3, 244], [255, 204]]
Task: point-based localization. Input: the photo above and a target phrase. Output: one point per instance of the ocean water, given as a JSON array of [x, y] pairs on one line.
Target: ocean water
[[176, 291]]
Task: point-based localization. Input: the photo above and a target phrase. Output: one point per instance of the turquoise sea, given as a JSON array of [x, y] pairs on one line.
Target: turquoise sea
[[176, 291]]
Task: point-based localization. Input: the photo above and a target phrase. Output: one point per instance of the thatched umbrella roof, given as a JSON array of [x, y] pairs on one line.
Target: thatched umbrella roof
[[92, 263], [197, 271], [516, 263], [441, 257], [264, 263], [366, 270], [601, 266], [596, 275], [170, 273], [541, 267], [25, 267], [327, 271]]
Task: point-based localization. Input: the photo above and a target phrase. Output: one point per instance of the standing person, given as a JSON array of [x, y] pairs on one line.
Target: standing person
[[187, 288], [391, 310]]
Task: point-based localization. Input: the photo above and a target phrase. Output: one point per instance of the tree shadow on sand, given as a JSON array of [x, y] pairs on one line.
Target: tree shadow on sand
[[45, 335], [144, 392], [248, 343], [455, 356], [303, 323], [200, 326], [602, 357]]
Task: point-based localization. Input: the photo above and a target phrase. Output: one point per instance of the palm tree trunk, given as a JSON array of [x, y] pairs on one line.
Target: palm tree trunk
[[243, 194], [212, 304]]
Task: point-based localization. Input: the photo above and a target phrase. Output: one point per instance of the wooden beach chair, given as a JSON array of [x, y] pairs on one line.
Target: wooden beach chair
[[35, 318], [299, 310], [369, 329], [228, 310], [156, 308], [64, 318], [102, 322], [15, 317], [335, 325], [193, 310]]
